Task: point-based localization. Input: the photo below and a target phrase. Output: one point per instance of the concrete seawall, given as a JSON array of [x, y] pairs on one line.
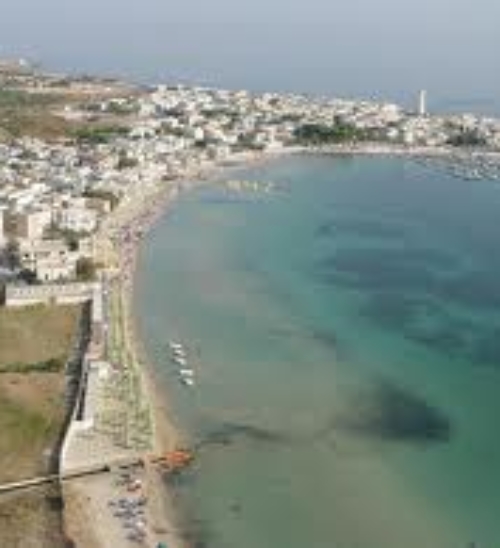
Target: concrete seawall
[[29, 295]]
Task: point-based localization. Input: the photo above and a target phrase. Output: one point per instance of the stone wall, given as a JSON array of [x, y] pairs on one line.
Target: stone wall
[[16, 296]]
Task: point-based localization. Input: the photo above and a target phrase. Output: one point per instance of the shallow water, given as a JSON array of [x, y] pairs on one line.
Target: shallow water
[[345, 332]]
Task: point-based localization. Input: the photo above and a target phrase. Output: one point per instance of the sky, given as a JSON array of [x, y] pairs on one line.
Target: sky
[[369, 48]]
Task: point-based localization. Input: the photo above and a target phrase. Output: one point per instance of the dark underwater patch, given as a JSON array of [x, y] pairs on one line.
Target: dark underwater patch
[[473, 289], [424, 272], [444, 340], [229, 433], [419, 320], [386, 269], [486, 349], [393, 413], [391, 309], [386, 257], [364, 228], [327, 338]]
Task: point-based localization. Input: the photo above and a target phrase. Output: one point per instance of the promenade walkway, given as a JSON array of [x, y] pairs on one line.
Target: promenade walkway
[[112, 417]]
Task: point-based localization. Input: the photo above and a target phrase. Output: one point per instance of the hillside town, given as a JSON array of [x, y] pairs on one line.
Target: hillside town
[[56, 192]]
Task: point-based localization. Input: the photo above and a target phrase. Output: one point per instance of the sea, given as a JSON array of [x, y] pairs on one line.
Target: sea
[[343, 323]]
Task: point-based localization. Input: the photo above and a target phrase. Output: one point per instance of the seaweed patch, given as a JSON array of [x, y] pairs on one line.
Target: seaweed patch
[[392, 413], [230, 433]]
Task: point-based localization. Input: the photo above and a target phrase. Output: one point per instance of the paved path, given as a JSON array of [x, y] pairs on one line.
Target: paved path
[[75, 474]]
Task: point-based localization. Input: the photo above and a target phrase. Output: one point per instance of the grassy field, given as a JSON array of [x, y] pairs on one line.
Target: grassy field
[[30, 114], [36, 334], [37, 114], [31, 404], [31, 416], [32, 520]]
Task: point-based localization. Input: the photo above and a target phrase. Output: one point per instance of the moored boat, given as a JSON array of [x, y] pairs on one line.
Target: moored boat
[[175, 346], [188, 381], [180, 360]]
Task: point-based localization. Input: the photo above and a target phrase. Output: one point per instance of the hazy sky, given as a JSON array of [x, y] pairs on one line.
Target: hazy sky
[[380, 47]]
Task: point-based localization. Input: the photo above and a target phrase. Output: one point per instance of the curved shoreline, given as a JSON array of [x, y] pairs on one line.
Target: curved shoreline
[[127, 234], [128, 226], [206, 501]]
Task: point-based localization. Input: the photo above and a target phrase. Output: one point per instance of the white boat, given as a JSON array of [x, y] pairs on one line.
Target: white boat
[[180, 360], [179, 352], [186, 372], [188, 381], [175, 346]]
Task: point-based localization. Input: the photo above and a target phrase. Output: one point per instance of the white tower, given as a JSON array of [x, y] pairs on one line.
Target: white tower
[[422, 103], [2, 228]]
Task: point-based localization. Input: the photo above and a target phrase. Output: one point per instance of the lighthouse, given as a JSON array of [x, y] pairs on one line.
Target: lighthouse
[[422, 103]]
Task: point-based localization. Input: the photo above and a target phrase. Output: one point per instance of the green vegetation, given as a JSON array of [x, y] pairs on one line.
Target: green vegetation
[[29, 114], [321, 134], [99, 134], [34, 340], [102, 195], [32, 518], [120, 109], [23, 424], [71, 237], [52, 365], [9, 256], [27, 276], [467, 138], [85, 269], [17, 123], [125, 161], [36, 334], [31, 414], [10, 98]]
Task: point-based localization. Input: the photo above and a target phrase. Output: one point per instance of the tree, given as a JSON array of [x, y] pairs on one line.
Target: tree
[[467, 138], [125, 161], [100, 194], [28, 276], [11, 255], [85, 269], [322, 134]]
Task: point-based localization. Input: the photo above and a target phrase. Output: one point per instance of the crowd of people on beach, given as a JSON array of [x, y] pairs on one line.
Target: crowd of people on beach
[[130, 508]]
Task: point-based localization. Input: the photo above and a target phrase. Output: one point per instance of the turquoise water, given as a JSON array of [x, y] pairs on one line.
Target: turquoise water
[[345, 331]]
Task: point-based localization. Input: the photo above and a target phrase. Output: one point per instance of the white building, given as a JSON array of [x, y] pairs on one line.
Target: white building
[[2, 228], [31, 224], [78, 219], [50, 260]]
